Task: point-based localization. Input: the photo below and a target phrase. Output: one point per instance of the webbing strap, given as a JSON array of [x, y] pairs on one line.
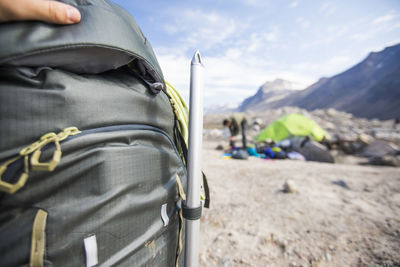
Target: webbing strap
[[38, 239], [181, 141], [34, 150], [180, 187], [183, 197], [180, 243], [206, 192]]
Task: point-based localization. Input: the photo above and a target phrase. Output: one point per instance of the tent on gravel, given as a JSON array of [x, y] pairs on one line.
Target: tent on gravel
[[290, 126]]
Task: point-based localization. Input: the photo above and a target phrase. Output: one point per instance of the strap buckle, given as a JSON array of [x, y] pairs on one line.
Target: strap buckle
[[9, 187], [34, 149], [52, 164]]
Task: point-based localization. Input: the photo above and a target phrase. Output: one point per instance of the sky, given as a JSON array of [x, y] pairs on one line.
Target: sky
[[245, 43]]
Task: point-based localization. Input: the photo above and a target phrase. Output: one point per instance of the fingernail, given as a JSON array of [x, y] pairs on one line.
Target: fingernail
[[73, 15]]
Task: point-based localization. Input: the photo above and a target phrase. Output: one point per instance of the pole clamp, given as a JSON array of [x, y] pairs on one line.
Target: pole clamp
[[191, 213]]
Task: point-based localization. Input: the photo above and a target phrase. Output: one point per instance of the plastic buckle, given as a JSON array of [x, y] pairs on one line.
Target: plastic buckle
[[8, 187], [52, 164]]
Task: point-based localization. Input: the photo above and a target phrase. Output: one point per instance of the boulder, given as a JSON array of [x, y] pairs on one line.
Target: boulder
[[379, 149], [387, 160]]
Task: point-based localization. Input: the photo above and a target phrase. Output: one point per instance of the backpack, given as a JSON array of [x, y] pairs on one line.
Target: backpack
[[91, 167]]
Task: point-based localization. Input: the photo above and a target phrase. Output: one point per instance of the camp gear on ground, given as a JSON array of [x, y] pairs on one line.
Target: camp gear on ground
[[239, 154], [280, 155], [261, 148], [276, 149], [296, 156], [253, 152], [226, 156], [292, 125], [89, 165], [192, 206], [285, 144], [311, 150], [269, 153]]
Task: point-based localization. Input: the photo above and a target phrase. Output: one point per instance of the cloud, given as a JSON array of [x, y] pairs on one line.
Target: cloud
[[176, 70], [294, 4], [257, 3], [339, 60], [303, 23], [388, 22], [239, 56], [379, 26], [384, 19], [227, 79], [360, 36], [327, 8], [197, 28]]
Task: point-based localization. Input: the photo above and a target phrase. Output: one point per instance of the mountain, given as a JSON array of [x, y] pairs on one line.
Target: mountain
[[222, 108], [267, 94], [370, 89]]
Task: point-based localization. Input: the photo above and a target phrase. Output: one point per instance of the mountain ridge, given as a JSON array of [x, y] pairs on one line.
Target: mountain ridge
[[369, 89]]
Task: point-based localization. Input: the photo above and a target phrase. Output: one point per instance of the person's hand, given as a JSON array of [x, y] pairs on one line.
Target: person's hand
[[42, 10]]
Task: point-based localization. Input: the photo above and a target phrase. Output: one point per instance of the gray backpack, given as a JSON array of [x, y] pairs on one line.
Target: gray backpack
[[90, 163]]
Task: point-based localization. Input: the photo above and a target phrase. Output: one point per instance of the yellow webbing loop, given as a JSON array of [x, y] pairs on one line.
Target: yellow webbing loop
[[38, 243], [183, 197], [47, 139], [12, 188], [52, 164], [180, 109], [180, 187], [35, 150], [180, 245]]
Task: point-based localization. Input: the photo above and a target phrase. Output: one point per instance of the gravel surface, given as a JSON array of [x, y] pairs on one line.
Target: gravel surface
[[335, 214]]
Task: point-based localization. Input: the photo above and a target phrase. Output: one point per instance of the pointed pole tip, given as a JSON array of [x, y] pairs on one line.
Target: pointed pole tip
[[196, 60]]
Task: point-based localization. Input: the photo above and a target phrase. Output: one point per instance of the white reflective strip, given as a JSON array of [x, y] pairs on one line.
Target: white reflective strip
[[164, 214], [91, 250]]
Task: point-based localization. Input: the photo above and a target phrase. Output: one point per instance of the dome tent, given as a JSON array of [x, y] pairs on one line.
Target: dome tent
[[292, 125]]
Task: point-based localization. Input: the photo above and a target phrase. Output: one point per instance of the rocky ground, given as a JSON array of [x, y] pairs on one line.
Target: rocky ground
[[339, 214]]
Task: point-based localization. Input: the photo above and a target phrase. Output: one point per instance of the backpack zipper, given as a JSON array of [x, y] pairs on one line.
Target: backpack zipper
[[32, 152]]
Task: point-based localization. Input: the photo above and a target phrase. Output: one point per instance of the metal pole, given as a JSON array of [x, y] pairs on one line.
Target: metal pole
[[194, 158]]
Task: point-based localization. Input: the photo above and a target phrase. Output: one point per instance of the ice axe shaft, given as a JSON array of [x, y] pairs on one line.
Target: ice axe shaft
[[194, 158]]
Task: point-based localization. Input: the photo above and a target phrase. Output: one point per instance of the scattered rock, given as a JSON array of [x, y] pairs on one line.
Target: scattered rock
[[379, 149], [289, 187], [219, 147], [366, 139], [341, 183], [387, 160], [328, 256]]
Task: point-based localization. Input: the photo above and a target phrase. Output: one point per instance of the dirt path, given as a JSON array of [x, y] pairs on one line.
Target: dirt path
[[342, 215]]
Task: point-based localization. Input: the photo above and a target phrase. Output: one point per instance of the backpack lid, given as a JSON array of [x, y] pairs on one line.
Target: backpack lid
[[106, 38]]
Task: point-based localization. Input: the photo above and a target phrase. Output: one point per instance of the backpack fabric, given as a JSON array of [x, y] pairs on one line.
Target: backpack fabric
[[89, 162]]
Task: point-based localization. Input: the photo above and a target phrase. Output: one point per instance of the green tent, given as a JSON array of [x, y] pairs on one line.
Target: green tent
[[292, 125]]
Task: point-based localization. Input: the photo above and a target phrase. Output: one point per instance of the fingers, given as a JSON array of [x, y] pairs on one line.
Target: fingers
[[43, 10], [56, 12]]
